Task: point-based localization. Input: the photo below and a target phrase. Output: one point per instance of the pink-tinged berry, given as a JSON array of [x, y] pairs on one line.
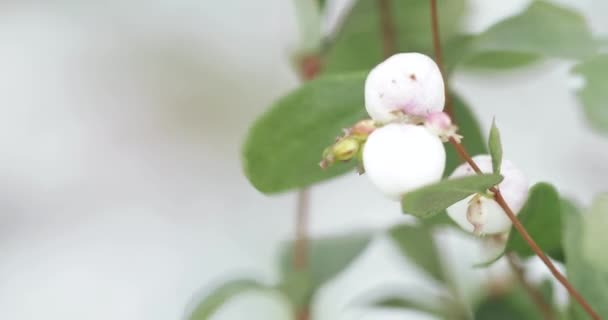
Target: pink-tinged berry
[[409, 83], [399, 158], [481, 214]]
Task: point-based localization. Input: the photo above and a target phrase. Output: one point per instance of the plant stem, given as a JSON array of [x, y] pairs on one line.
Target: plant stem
[[449, 109], [310, 66], [497, 195], [300, 258], [526, 236], [534, 294], [387, 28]]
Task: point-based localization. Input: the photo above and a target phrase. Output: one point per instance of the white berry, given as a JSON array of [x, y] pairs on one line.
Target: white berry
[[406, 82], [402, 157], [488, 217]]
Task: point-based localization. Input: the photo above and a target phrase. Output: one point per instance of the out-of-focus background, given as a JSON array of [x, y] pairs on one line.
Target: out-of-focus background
[[121, 189]]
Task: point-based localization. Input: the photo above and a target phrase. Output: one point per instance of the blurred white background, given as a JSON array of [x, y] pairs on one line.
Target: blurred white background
[[121, 192]]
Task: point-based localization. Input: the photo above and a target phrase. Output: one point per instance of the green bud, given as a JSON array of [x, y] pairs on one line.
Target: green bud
[[327, 158], [345, 149]]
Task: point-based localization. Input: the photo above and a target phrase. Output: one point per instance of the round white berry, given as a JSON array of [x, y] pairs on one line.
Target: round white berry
[[482, 215], [407, 82], [401, 157]]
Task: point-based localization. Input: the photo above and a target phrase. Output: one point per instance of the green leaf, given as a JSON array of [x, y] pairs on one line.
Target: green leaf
[[219, 296], [542, 29], [512, 305], [359, 44], [435, 198], [499, 60], [542, 218], [474, 141], [594, 95], [594, 233], [418, 245], [326, 258], [590, 280], [408, 302], [495, 147], [284, 146]]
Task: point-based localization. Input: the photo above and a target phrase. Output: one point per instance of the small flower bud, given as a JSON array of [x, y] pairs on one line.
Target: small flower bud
[[402, 157], [327, 159], [407, 82], [440, 123], [483, 215], [363, 128], [345, 149], [475, 214]]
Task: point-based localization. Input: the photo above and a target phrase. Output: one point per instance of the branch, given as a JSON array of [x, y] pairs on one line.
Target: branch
[[497, 195], [534, 294], [526, 236], [300, 257], [387, 27], [449, 108], [310, 67]]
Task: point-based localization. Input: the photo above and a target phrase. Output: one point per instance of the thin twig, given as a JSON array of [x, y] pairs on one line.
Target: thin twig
[[526, 236], [449, 109], [497, 195], [310, 66], [300, 258], [387, 28], [534, 294]]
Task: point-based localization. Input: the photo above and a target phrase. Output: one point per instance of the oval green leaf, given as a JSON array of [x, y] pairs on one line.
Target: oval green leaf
[[495, 147], [326, 258], [418, 245], [220, 295], [594, 95], [433, 199], [544, 29], [284, 146]]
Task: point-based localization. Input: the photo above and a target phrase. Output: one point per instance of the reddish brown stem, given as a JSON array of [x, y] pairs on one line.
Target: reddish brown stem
[[526, 236], [300, 257], [310, 66], [497, 195], [389, 45], [534, 294], [449, 109]]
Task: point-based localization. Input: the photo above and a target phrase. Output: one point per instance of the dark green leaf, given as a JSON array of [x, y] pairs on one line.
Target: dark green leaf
[[219, 296], [359, 44], [509, 306], [435, 198], [542, 29], [284, 146], [473, 141], [542, 217], [495, 147], [327, 257], [594, 236], [590, 281], [418, 245], [594, 94]]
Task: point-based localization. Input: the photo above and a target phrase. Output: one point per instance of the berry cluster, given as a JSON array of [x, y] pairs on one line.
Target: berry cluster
[[400, 148]]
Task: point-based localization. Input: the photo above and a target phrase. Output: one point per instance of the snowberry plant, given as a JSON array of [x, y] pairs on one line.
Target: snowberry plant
[[376, 100]]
